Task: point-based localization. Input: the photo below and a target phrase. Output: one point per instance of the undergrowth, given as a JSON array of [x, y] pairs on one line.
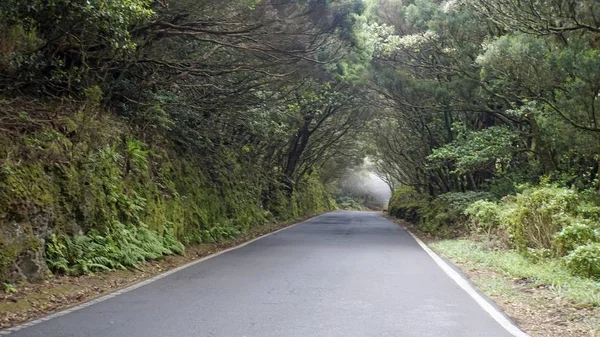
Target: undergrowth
[[111, 201], [541, 221], [119, 247], [549, 272]]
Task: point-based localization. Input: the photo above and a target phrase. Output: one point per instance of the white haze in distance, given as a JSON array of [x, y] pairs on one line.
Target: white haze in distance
[[362, 182], [378, 188]]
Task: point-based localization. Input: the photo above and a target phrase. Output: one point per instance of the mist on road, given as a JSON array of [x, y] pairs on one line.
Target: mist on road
[[364, 185]]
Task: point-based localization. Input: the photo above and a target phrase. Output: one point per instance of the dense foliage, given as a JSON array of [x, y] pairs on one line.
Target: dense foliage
[[129, 127], [486, 95], [498, 98]]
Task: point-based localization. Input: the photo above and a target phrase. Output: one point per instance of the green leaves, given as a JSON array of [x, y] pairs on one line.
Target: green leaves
[[486, 216], [474, 150], [520, 77], [58, 43], [9, 288], [585, 260], [136, 156], [517, 64], [579, 232], [119, 247]]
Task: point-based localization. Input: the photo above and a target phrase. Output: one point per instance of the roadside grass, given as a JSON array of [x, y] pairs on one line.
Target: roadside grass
[[550, 273]]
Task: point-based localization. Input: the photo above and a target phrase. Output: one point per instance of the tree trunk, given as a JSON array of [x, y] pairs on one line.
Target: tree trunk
[[539, 147], [297, 147]]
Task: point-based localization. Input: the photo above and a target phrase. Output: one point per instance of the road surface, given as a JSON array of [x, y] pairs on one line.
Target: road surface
[[341, 274]]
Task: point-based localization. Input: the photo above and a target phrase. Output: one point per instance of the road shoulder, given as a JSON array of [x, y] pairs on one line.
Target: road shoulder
[[539, 309]]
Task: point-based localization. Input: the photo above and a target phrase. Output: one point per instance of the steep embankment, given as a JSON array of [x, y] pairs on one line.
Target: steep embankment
[[80, 191]]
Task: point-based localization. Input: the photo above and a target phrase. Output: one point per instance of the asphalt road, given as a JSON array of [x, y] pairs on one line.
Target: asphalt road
[[340, 274]]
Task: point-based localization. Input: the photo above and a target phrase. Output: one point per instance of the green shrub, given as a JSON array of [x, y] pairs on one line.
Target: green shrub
[[408, 204], [216, 234], [589, 204], [585, 260], [444, 215], [311, 197], [9, 288], [579, 233], [538, 255], [347, 203], [440, 218], [485, 216], [170, 242], [460, 201], [535, 215]]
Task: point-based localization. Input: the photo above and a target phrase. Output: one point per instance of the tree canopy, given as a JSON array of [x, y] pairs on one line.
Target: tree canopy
[[477, 92]]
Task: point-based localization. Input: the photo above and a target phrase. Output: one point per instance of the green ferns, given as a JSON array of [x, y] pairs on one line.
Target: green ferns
[[121, 246], [215, 234], [113, 201]]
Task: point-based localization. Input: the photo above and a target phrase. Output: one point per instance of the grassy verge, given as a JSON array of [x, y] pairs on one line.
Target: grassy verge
[[542, 296], [545, 273]]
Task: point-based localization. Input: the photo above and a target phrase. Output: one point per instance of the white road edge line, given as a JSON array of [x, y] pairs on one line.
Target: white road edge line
[[466, 286], [8, 331]]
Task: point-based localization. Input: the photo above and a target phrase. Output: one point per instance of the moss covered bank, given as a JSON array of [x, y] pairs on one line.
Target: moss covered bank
[[82, 192]]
